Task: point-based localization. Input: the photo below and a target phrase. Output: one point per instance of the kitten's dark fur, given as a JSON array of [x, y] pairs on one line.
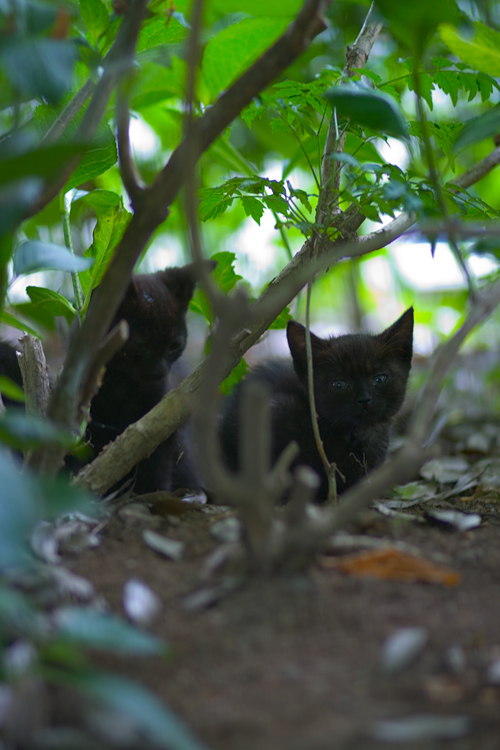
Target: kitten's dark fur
[[359, 385], [136, 379]]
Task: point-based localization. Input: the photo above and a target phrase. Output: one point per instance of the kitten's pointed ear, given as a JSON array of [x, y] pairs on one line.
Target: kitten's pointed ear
[[296, 335], [398, 338], [181, 281]]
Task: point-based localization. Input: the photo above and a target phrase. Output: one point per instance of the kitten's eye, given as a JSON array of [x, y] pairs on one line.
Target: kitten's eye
[[339, 384], [380, 378]]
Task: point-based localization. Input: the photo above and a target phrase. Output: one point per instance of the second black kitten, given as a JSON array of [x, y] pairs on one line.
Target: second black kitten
[[359, 385], [155, 307]]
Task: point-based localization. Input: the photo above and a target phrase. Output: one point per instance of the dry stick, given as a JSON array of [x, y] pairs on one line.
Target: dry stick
[[154, 210], [409, 459]]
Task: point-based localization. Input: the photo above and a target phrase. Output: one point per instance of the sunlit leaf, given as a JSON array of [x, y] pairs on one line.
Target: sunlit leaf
[[100, 157], [235, 48], [482, 52], [10, 389], [112, 219], [53, 302], [95, 16], [234, 377], [160, 32], [11, 320], [253, 207], [32, 255]]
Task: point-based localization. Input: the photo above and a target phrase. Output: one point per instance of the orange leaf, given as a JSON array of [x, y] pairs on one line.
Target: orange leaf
[[392, 564]]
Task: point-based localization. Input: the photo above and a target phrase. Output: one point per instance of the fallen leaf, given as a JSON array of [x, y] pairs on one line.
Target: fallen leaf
[[392, 564]]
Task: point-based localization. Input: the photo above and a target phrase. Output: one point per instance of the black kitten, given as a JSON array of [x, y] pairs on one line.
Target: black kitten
[[136, 379], [359, 385]]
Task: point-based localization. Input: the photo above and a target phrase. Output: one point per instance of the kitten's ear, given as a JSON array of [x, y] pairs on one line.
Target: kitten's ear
[[398, 338], [296, 335], [181, 282]]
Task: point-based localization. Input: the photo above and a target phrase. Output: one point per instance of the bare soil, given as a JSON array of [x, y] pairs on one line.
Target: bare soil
[[295, 663]]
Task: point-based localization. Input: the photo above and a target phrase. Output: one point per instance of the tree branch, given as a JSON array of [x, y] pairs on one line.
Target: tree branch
[[154, 210]]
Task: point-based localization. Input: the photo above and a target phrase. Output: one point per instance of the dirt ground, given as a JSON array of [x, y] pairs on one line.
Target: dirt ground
[[296, 663]]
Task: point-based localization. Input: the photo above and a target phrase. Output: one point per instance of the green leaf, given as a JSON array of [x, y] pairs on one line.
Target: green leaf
[[200, 304], [33, 255], [112, 219], [39, 67], [10, 389], [235, 48], [18, 618], [369, 108], [224, 275], [253, 207], [43, 162], [17, 516], [11, 320], [236, 374], [22, 431], [266, 8], [156, 722], [478, 129], [95, 16], [282, 319], [213, 203], [482, 52], [95, 629], [53, 302], [159, 32], [98, 159], [414, 23]]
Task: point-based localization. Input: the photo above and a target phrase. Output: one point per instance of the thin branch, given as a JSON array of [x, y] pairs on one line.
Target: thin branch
[[69, 113], [328, 467], [478, 171], [127, 167]]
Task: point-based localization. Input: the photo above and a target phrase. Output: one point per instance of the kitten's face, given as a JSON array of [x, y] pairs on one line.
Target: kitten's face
[[155, 307], [359, 380]]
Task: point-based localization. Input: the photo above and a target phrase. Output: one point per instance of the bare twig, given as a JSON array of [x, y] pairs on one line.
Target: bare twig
[[329, 468]]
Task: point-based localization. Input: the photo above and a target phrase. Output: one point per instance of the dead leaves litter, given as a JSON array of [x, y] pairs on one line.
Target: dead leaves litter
[[395, 565]]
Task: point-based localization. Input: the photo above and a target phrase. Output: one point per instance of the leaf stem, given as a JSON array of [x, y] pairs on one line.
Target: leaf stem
[[75, 280]]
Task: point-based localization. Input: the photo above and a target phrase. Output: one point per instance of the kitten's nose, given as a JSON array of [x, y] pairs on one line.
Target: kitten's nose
[[365, 400]]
